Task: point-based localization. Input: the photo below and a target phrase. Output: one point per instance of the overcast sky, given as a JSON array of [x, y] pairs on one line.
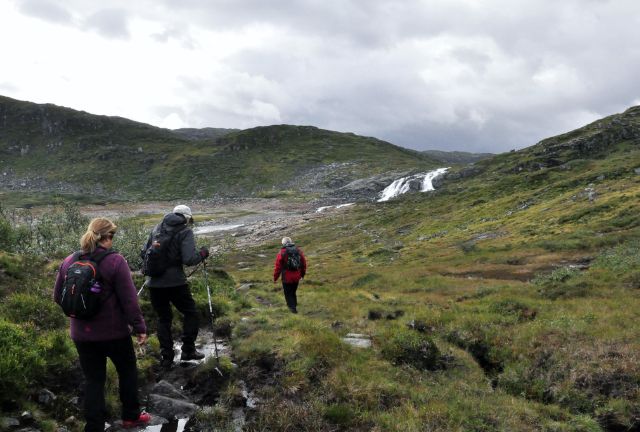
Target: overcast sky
[[473, 75]]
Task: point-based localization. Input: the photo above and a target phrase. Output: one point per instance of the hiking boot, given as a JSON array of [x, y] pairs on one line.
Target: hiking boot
[[143, 419], [191, 355], [293, 310], [166, 363]]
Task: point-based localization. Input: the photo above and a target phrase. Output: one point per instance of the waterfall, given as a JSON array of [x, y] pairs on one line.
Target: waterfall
[[427, 183], [403, 185]]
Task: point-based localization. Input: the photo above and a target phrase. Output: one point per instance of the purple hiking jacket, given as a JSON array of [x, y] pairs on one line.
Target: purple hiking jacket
[[119, 313]]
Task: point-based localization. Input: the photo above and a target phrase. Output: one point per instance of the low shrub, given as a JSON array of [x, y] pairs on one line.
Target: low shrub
[[519, 310], [340, 414], [11, 265], [477, 340], [20, 363], [621, 259], [404, 346], [564, 282], [43, 313]]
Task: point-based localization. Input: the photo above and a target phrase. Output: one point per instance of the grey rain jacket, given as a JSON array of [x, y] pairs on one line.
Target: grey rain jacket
[[182, 251]]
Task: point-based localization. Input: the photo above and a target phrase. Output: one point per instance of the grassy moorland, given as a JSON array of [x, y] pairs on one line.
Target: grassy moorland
[[504, 301]]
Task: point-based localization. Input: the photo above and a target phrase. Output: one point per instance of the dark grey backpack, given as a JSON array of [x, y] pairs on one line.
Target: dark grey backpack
[[82, 295], [156, 257]]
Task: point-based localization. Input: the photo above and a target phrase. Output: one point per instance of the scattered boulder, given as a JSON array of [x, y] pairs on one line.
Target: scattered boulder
[[26, 417], [357, 340], [9, 423], [164, 388], [46, 397], [244, 287], [419, 326], [170, 408]]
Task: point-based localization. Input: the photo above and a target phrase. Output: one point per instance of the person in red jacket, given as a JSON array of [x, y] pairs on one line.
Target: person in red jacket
[[292, 266]]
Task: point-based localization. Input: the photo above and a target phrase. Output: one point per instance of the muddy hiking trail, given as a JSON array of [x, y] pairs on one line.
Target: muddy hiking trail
[[186, 396]]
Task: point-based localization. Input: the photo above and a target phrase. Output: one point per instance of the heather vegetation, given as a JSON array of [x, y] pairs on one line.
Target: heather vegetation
[[37, 351], [505, 300]]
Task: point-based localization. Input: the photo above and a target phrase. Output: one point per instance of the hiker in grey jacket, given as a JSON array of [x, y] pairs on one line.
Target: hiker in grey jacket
[[172, 288]]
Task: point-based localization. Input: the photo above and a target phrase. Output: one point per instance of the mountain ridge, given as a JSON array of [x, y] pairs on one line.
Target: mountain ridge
[[45, 148]]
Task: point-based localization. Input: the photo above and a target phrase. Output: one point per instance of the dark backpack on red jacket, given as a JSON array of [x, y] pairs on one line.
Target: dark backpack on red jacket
[[293, 260]]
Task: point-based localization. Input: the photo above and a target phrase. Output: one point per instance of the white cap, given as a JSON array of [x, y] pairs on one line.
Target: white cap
[[183, 210], [286, 240]]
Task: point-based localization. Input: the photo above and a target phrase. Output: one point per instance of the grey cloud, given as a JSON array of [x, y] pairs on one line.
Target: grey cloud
[[111, 23], [45, 10], [447, 74], [7, 87], [177, 32]]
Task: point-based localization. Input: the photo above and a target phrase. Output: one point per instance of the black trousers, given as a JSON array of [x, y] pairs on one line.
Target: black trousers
[[180, 297], [290, 294], [93, 361]]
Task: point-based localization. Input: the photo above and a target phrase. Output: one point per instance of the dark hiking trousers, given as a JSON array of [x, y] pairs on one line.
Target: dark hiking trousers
[[93, 361], [290, 295], [180, 297]]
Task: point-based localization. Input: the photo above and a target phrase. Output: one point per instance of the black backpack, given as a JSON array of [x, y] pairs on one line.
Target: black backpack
[[294, 262], [155, 258], [82, 295]]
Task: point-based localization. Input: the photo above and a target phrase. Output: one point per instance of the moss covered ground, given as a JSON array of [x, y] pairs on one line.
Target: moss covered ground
[[506, 301]]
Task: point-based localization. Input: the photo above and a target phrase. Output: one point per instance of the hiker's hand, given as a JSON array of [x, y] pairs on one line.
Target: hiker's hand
[[142, 339], [204, 252]]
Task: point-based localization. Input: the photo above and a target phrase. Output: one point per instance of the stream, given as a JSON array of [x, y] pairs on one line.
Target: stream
[[173, 384]]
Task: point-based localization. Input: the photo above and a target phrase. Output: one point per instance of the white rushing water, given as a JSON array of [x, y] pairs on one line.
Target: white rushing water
[[321, 209], [206, 229], [402, 185]]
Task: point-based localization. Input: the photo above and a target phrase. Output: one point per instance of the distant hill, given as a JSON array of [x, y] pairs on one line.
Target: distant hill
[[606, 149], [45, 148], [207, 133], [456, 157]]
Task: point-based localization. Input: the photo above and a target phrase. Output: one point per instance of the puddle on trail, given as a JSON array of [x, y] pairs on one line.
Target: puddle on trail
[[357, 340], [206, 345], [172, 426]]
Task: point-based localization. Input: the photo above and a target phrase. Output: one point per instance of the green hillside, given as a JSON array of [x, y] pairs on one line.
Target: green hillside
[[505, 301], [45, 148], [457, 157]]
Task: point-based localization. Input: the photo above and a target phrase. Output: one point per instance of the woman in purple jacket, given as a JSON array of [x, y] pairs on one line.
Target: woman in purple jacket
[[108, 334]]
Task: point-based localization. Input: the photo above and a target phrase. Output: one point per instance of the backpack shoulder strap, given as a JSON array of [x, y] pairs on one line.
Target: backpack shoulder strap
[[101, 255]]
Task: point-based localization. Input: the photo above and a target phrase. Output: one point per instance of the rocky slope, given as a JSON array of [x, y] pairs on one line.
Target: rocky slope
[[46, 148]]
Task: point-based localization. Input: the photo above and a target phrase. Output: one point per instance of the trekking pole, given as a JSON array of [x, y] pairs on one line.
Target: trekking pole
[[142, 287], [213, 327], [194, 270]]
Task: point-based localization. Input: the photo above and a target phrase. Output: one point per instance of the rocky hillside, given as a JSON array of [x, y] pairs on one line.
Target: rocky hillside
[[457, 157], [605, 149], [46, 148]]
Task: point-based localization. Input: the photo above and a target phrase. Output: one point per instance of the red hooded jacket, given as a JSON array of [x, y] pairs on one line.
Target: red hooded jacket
[[289, 276]]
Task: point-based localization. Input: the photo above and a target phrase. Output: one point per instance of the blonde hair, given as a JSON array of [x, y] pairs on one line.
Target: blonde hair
[[97, 230]]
